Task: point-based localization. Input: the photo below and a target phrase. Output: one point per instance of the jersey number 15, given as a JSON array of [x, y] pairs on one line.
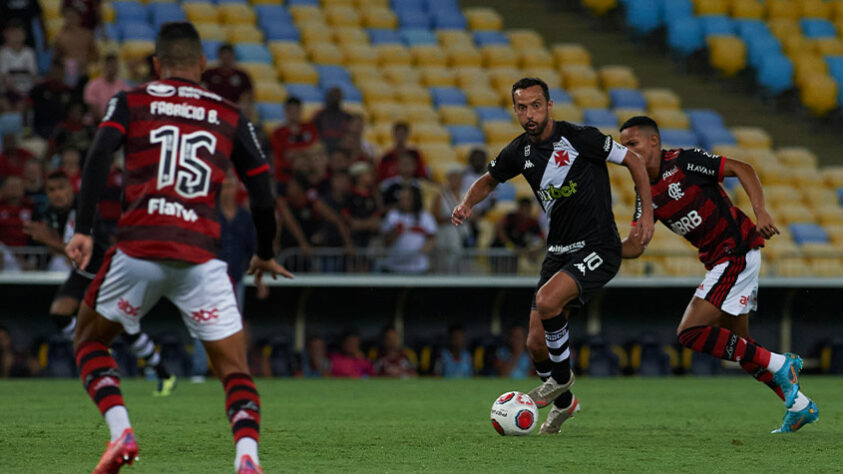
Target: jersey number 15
[[179, 165]]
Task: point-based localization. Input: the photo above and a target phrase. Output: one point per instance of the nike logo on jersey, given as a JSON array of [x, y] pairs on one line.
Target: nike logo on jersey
[[528, 164]]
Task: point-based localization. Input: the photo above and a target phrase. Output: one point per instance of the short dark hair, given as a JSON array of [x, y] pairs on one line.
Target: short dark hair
[[641, 121], [58, 174], [178, 44], [526, 82], [14, 23], [225, 48], [292, 100], [404, 125]]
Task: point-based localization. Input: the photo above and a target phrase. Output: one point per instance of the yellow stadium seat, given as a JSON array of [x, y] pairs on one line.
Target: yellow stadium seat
[[683, 266], [819, 94], [422, 113], [548, 75], [286, 51], [760, 157], [336, 3], [576, 76], [727, 54], [797, 157], [747, 9], [393, 55], [438, 76], [535, 58], [108, 14], [782, 9], [781, 194], [428, 133], [397, 75], [471, 76], [269, 91], [817, 197], [791, 213], [269, 126], [357, 53], [381, 18], [244, 34], [428, 55], [600, 7], [818, 250], [412, 94], [376, 91], [457, 115], [826, 267], [464, 56], [829, 214], [382, 133], [784, 27], [454, 38], [658, 98], [483, 19], [807, 65], [306, 14], [501, 131], [499, 56], [502, 77], [589, 98], [752, 137], [504, 92], [315, 32], [438, 153], [711, 7], [793, 267], [570, 54], [341, 15], [136, 50], [828, 46], [482, 96], [815, 9], [325, 53], [296, 72], [730, 151], [624, 114], [389, 112], [775, 174], [211, 31], [796, 44], [236, 14], [52, 9], [258, 71], [201, 12], [670, 118], [525, 39], [833, 176], [53, 27], [364, 73], [344, 35], [806, 177], [612, 77]]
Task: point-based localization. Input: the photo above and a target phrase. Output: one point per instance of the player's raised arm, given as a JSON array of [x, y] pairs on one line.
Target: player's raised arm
[[631, 246], [752, 185], [646, 224], [478, 191]]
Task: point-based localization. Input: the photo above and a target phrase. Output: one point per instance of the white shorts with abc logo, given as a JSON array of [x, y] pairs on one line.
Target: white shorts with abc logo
[[126, 288], [732, 285]]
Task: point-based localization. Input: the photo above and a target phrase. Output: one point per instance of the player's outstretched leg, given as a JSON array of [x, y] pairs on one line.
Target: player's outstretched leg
[[143, 347], [98, 371], [65, 324]]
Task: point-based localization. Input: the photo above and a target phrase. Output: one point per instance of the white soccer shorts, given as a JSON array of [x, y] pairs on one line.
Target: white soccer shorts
[[732, 286]]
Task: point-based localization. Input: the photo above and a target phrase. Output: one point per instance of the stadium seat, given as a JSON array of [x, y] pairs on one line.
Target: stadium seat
[[490, 38], [315, 32], [212, 31], [749, 28], [464, 134], [559, 96], [808, 233], [340, 15], [538, 58], [670, 118], [129, 12], [660, 98], [383, 36], [259, 71], [496, 132], [380, 18], [589, 98], [627, 98], [305, 92], [332, 74], [448, 96], [398, 75], [805, 66], [387, 112], [464, 56], [677, 138], [286, 51], [306, 14], [677, 10], [784, 27], [828, 46], [390, 54], [412, 94], [210, 49], [252, 53], [269, 91], [711, 137], [136, 32], [136, 50], [482, 96], [375, 91], [270, 111], [428, 55], [492, 114], [599, 118], [471, 77], [357, 53], [702, 119], [643, 16], [325, 53], [160, 13], [497, 55], [457, 115], [814, 28], [201, 12], [421, 113], [776, 74], [552, 78], [483, 19], [600, 7], [570, 54], [576, 76], [685, 36], [782, 9], [426, 133], [449, 38], [752, 137], [280, 31], [727, 54], [271, 11], [819, 93], [797, 157], [525, 39], [623, 114], [236, 14], [418, 36], [448, 20], [438, 76], [716, 25], [760, 47], [244, 34], [613, 77]]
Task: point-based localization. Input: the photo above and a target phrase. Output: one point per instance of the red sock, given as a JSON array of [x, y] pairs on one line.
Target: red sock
[[99, 375], [724, 344], [761, 374], [243, 406]]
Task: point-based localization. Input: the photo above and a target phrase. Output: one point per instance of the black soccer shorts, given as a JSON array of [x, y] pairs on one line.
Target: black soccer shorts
[[591, 268]]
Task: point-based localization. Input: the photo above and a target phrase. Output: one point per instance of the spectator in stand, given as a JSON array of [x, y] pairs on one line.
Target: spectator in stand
[[520, 232], [18, 66], [226, 79], [73, 132], [315, 362], [15, 362], [449, 238], [454, 360], [388, 165], [50, 99], [293, 135], [98, 91], [13, 159], [350, 361], [409, 234], [15, 210], [70, 164], [90, 12], [477, 162], [76, 46], [511, 360], [319, 171], [353, 143], [365, 208], [23, 12], [392, 360], [339, 193], [33, 185], [406, 177], [332, 121]]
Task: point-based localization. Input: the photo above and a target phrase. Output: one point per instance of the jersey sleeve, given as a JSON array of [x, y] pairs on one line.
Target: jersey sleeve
[[117, 113], [505, 166], [702, 165], [596, 146]]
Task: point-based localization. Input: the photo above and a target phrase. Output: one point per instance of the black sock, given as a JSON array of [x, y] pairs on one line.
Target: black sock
[[543, 368], [556, 336], [142, 347], [564, 400], [65, 324]]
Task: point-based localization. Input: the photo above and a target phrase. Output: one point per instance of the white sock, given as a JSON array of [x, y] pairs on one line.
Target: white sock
[[118, 420], [776, 362], [246, 446], [800, 403]]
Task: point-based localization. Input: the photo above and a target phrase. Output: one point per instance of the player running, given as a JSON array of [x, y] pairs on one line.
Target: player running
[[688, 199], [179, 140], [565, 165], [53, 229]]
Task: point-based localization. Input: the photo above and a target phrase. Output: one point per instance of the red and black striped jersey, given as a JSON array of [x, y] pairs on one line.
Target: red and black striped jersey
[[179, 141], [688, 199]]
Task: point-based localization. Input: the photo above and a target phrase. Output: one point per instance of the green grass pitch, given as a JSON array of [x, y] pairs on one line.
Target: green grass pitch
[[673, 424]]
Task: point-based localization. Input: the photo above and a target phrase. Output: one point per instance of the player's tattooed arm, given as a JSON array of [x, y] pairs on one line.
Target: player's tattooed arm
[[476, 193], [752, 185]]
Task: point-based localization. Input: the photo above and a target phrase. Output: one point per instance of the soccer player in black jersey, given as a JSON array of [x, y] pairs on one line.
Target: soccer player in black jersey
[[688, 199], [52, 229], [565, 165]]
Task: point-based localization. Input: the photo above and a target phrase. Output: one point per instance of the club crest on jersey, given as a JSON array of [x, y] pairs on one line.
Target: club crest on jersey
[[674, 190], [160, 90], [563, 153]]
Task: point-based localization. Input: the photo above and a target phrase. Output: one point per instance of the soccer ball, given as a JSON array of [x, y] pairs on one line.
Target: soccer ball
[[514, 414]]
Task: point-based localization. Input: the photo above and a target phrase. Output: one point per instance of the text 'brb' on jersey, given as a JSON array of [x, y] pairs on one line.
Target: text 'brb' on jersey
[[569, 178], [179, 141], [688, 199]]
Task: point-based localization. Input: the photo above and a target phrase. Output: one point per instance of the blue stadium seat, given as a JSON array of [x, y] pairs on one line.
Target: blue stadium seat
[[252, 53], [125, 11], [270, 111], [136, 31], [599, 118], [685, 36], [731, 182], [350, 93], [749, 28], [273, 12], [463, 134], [702, 119], [305, 92], [161, 13], [716, 25], [448, 20], [679, 138], [761, 46], [11, 123], [492, 114], [220, 2], [447, 96], [835, 67], [627, 99], [332, 74], [713, 136], [312, 3], [505, 192], [210, 48], [677, 9], [840, 196], [111, 30], [808, 234], [416, 18], [559, 96], [418, 36], [380, 36], [643, 16], [279, 30], [408, 5], [814, 28], [775, 74], [442, 6], [483, 38]]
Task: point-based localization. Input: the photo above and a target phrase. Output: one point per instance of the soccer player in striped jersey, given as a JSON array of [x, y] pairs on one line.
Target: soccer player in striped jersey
[[179, 141], [688, 199]]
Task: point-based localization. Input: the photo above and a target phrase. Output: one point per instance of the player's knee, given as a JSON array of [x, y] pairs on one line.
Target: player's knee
[[548, 306], [536, 344]]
